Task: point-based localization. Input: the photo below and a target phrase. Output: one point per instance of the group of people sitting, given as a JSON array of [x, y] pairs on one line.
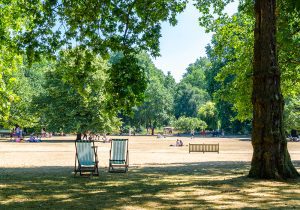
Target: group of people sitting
[[18, 135], [105, 139], [179, 143], [159, 136], [94, 137], [32, 138]]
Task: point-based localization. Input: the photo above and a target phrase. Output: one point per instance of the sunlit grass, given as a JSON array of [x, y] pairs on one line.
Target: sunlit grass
[[186, 186]]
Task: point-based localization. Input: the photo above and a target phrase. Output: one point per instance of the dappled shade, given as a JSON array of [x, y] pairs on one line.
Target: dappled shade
[[190, 185]]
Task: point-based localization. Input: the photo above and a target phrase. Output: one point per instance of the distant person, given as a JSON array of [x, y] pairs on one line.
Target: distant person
[[105, 139], [33, 138], [97, 136], [192, 134], [43, 132], [85, 137], [179, 143], [18, 131], [159, 136], [92, 136]]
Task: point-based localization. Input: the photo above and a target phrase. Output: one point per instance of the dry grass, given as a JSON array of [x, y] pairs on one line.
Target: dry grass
[[159, 177]]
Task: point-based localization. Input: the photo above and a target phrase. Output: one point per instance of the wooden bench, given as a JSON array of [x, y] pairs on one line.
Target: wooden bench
[[203, 148]]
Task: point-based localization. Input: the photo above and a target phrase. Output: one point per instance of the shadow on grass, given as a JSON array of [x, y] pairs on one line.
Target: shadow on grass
[[186, 185]]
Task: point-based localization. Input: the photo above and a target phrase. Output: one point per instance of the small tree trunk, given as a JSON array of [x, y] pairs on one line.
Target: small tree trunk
[[271, 158], [152, 131], [78, 136]]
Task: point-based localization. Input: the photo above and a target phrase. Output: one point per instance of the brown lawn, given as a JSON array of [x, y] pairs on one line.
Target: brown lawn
[[39, 175]]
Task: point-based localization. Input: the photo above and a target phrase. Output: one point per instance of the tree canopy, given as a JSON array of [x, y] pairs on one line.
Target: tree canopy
[[75, 98]]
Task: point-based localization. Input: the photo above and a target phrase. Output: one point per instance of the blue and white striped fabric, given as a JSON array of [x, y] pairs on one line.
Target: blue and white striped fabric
[[85, 153], [119, 147]]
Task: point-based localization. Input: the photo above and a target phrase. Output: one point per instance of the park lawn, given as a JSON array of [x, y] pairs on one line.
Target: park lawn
[[206, 185]]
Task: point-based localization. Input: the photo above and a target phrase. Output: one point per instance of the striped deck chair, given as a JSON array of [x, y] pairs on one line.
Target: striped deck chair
[[118, 156], [86, 159]]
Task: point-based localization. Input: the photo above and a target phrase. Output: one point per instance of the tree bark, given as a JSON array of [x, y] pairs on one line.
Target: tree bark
[[271, 159], [152, 131]]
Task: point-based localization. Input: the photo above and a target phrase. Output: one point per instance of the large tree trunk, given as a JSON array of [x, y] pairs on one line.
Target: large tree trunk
[[152, 131], [271, 158]]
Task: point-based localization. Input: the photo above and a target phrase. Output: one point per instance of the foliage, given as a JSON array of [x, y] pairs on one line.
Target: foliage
[[195, 73], [34, 30], [232, 49], [11, 22], [157, 107], [231, 55], [156, 110], [292, 114], [211, 11], [228, 122], [126, 83], [29, 84], [188, 124], [170, 83], [112, 26], [288, 42], [221, 94], [191, 91], [209, 114], [41, 28], [75, 99]]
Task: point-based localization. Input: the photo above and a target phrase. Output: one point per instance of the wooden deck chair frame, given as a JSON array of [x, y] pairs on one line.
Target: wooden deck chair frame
[[82, 168], [118, 164]]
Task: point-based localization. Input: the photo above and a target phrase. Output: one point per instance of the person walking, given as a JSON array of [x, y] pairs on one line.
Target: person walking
[[192, 134]]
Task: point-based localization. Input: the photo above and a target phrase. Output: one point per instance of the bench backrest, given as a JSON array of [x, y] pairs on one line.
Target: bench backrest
[[119, 149], [204, 148], [85, 152]]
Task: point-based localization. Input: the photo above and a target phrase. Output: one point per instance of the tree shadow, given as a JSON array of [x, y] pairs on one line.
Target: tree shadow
[[178, 186]]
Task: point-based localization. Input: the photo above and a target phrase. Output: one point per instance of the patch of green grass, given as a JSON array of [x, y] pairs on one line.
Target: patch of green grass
[[212, 185]]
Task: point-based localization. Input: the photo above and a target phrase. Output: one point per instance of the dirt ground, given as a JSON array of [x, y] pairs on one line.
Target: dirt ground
[[143, 151]]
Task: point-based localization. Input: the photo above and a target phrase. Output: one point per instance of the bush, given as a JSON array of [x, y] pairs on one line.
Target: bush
[[188, 124]]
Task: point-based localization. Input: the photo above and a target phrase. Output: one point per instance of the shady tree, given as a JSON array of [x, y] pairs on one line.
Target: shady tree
[[132, 25], [271, 159]]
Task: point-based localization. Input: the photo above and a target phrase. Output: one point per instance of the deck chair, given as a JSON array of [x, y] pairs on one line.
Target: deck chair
[[86, 159], [118, 156]]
